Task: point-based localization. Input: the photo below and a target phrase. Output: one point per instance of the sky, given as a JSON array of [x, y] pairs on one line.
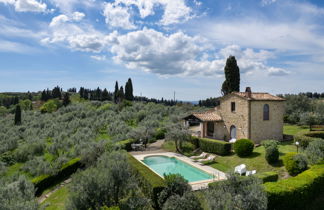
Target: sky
[[163, 45]]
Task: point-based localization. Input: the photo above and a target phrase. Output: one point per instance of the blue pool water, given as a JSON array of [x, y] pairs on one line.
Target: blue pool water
[[166, 165]]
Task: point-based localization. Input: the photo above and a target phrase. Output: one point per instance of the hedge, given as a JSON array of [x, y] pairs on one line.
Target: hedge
[[195, 141], [215, 146], [126, 144], [269, 176], [304, 138], [44, 181], [296, 192], [150, 183]]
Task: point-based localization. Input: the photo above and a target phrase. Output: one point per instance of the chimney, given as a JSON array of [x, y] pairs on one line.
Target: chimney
[[248, 92]]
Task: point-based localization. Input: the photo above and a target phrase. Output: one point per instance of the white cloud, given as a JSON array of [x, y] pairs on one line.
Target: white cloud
[[60, 19], [267, 2], [263, 35], [99, 57], [117, 16], [152, 51], [12, 29], [68, 6], [277, 71], [175, 11], [78, 36], [16, 47], [27, 5]]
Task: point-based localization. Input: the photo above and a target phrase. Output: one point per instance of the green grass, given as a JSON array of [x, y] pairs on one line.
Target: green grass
[[57, 200], [187, 148], [254, 162], [103, 136], [294, 129], [14, 169]]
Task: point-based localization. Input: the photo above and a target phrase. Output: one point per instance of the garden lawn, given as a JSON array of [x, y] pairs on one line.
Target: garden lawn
[[294, 129], [254, 162], [57, 200]]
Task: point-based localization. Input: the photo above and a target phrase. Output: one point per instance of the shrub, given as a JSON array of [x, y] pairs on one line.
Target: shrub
[[50, 106], [195, 141], [160, 133], [296, 192], [215, 146], [272, 154], [269, 143], [315, 151], [270, 176], [243, 147], [126, 144], [304, 138], [294, 163], [150, 183]]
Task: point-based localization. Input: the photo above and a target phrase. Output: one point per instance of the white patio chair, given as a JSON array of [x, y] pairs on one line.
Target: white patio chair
[[241, 169]]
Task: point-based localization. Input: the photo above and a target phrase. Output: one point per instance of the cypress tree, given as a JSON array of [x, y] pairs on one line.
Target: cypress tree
[[18, 115], [232, 76], [105, 95], [129, 90], [66, 99], [116, 92], [121, 94]]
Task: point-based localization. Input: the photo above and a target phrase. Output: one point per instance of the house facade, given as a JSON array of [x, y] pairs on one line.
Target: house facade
[[256, 116]]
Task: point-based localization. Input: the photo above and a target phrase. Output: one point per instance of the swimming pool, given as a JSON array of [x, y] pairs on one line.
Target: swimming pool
[[170, 165]]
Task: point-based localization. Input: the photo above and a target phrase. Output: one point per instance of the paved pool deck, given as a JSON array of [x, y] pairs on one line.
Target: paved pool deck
[[218, 175]]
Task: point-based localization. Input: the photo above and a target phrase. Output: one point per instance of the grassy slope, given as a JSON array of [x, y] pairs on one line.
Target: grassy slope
[[255, 162], [294, 129], [57, 200]]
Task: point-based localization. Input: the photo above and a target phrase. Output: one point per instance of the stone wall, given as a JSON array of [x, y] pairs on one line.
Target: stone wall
[[239, 118], [267, 129]]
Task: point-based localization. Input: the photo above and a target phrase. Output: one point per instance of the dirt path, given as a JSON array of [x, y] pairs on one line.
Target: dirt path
[[42, 198], [154, 147]]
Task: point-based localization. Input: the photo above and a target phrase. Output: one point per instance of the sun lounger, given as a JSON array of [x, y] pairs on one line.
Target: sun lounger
[[202, 155], [209, 158]]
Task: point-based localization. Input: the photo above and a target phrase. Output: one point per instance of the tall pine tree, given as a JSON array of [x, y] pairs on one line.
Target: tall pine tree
[[129, 90], [18, 115], [116, 93], [232, 76]]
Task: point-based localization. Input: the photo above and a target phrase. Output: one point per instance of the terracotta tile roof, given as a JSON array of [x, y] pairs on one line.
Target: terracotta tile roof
[[259, 96], [211, 115]]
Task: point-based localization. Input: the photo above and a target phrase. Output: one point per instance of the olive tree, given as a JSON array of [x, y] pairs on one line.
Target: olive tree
[[177, 133], [104, 185], [18, 194], [242, 193]]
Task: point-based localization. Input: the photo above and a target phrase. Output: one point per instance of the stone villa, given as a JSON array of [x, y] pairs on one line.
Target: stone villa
[[256, 116]]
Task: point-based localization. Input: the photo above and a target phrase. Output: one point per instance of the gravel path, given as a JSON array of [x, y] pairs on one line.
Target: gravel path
[[42, 198]]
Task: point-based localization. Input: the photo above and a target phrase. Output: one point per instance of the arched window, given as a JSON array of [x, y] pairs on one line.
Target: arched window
[[266, 112]]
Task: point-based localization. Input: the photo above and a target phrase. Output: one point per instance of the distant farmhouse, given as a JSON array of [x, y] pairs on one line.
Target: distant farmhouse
[[256, 116]]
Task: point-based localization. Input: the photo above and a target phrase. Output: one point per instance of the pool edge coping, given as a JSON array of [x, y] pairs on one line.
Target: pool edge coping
[[195, 185]]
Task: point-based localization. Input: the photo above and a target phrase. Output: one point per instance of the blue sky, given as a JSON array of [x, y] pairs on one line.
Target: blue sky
[[163, 45]]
